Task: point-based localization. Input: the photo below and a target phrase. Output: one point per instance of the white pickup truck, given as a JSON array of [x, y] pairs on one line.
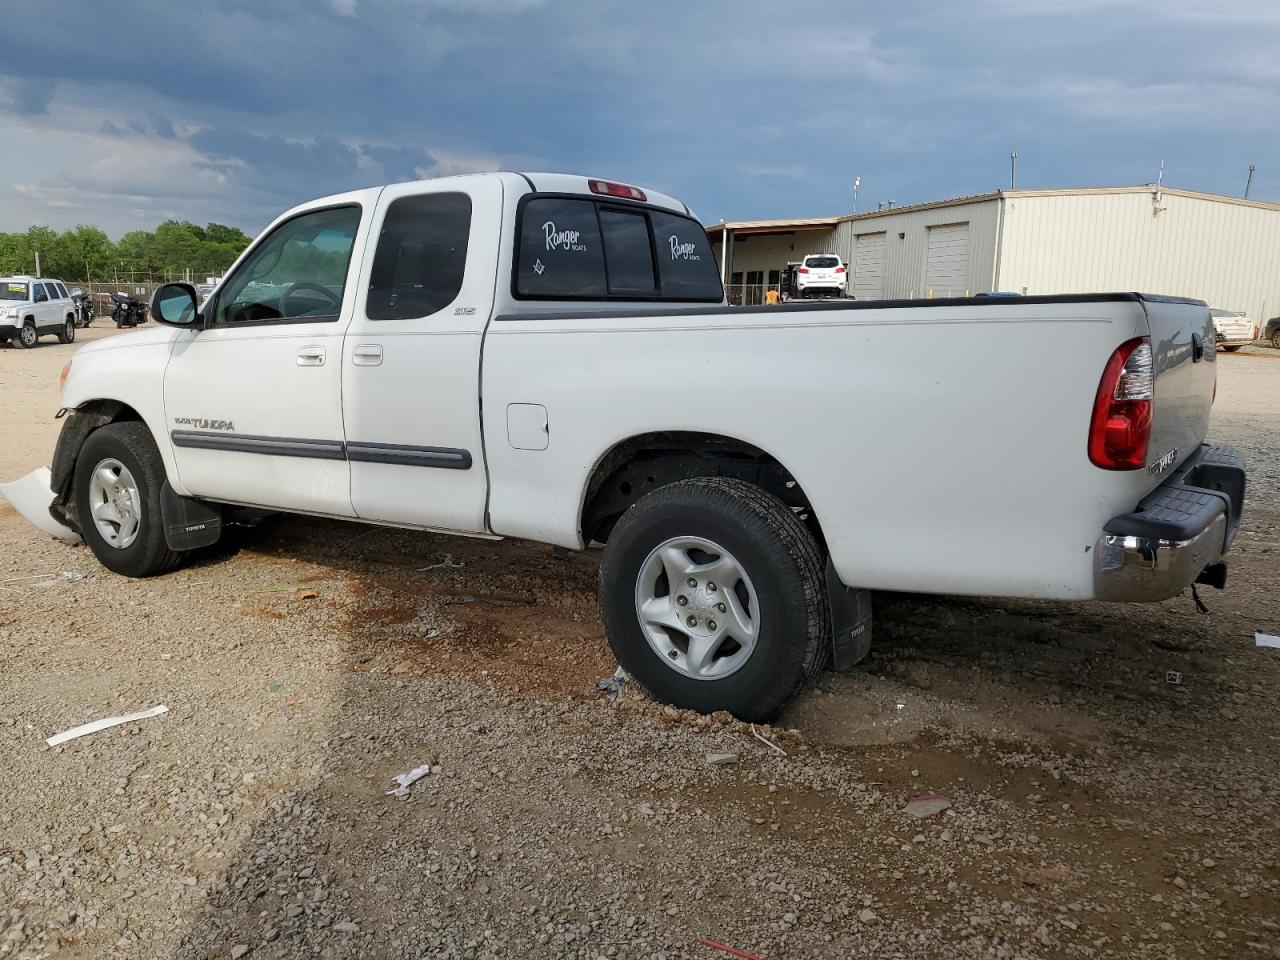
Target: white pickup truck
[[549, 357]]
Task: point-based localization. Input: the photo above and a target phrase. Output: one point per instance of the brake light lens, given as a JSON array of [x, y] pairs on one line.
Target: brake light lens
[[1120, 431], [803, 270], [839, 269], [607, 189]]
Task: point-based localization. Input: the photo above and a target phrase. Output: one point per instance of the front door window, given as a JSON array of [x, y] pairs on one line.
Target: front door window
[[298, 274]]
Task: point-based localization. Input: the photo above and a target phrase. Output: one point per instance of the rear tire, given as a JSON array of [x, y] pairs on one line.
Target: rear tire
[[1275, 339], [126, 452], [28, 337], [68, 332], [736, 532]]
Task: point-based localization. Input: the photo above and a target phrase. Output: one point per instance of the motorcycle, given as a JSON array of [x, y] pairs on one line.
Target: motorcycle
[[83, 306], [127, 311]]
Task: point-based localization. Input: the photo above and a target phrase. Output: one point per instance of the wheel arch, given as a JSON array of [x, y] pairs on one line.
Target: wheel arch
[[636, 465], [81, 421]]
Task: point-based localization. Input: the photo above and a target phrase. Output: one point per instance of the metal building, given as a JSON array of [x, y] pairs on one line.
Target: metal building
[[1223, 250]]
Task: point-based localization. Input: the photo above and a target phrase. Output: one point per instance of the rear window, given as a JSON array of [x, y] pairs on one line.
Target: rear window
[[823, 263], [581, 249], [561, 255], [627, 254], [688, 267]]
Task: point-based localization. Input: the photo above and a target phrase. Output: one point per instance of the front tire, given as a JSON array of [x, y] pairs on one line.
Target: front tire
[[28, 337], [117, 485], [1275, 339], [713, 598], [68, 332]]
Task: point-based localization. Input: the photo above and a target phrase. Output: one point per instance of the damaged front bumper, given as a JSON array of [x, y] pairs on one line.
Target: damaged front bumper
[[1179, 533], [32, 496]]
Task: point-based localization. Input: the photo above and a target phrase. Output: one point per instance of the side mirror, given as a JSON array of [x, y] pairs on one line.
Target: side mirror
[[175, 304]]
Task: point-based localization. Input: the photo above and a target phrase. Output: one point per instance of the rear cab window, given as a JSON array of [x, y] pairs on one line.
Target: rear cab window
[[578, 248], [421, 257], [822, 263]]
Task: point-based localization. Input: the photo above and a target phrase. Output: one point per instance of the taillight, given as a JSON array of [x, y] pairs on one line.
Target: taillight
[[839, 269], [605, 188], [803, 270], [1121, 427]]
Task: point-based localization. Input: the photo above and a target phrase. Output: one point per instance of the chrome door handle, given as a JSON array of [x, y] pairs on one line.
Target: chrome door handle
[[311, 356], [366, 355]]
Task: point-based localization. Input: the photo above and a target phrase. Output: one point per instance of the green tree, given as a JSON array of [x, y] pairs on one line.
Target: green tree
[[87, 253]]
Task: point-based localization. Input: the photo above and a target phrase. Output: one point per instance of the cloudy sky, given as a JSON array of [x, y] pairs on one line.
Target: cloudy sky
[[126, 113]]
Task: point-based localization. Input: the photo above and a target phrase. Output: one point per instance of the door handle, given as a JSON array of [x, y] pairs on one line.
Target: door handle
[[311, 356], [366, 355]]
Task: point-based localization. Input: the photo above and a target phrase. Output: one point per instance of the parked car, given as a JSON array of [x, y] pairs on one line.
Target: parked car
[[751, 474], [1272, 332], [821, 275], [1232, 330], [31, 307]]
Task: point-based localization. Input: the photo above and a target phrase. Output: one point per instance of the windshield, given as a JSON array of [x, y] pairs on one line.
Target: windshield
[[822, 262], [13, 291]]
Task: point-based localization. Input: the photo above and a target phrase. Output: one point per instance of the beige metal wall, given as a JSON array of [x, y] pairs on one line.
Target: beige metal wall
[[1227, 254], [906, 256]]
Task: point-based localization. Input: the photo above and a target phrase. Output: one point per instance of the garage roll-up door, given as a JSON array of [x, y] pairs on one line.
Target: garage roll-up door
[[946, 271], [868, 267]]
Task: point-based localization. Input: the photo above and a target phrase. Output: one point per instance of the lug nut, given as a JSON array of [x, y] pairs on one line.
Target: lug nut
[[682, 600], [693, 582], [711, 587], [711, 624], [721, 607], [692, 621]]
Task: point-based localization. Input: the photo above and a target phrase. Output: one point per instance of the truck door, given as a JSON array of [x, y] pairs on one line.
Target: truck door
[[411, 360], [253, 401]]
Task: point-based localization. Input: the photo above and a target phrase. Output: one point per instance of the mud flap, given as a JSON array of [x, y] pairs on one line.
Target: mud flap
[[188, 523], [850, 622]]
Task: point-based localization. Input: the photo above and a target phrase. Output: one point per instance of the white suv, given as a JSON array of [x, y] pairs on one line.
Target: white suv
[[821, 275], [31, 307]]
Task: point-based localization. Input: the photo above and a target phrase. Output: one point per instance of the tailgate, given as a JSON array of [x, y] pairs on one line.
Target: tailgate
[[1182, 343]]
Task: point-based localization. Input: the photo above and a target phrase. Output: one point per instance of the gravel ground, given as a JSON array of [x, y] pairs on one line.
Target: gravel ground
[[1095, 809]]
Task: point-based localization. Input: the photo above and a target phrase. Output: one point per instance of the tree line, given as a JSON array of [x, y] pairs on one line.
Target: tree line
[[87, 254]]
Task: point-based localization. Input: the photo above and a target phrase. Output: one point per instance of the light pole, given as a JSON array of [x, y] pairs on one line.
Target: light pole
[[857, 182]]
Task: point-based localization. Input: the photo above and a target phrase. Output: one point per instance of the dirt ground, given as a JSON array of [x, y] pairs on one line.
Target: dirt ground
[[1097, 809]]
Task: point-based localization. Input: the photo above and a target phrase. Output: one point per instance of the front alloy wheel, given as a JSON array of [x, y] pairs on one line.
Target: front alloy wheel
[[117, 486], [115, 503]]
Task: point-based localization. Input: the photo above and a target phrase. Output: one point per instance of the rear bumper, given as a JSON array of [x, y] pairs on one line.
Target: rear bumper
[[1180, 530]]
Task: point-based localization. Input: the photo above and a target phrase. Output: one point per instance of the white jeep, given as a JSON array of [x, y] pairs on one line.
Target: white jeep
[[31, 307]]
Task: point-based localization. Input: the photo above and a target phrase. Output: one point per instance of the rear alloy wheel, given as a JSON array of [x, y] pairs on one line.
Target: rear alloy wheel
[[68, 332], [1275, 339], [713, 598], [27, 336], [117, 483]]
